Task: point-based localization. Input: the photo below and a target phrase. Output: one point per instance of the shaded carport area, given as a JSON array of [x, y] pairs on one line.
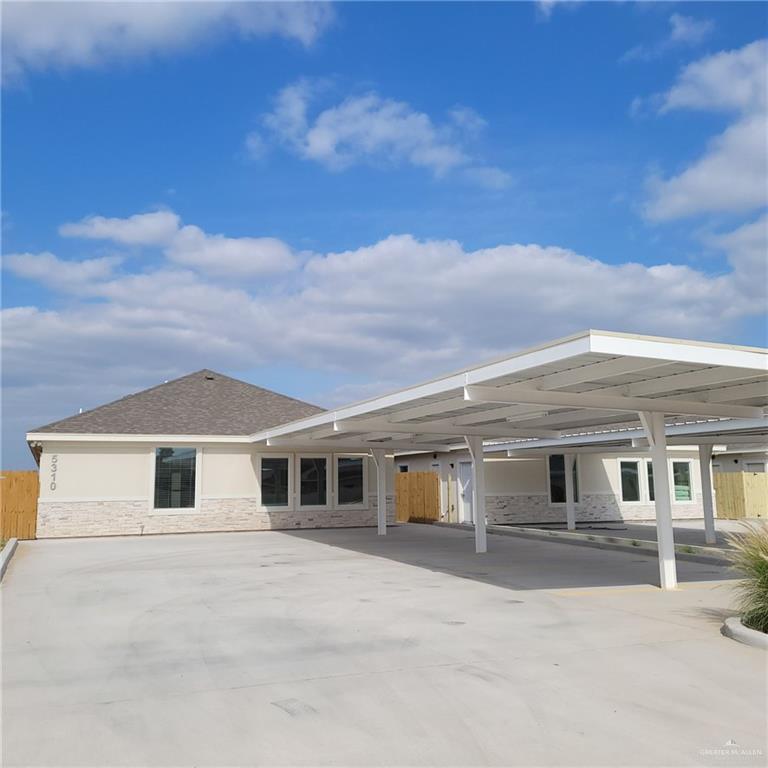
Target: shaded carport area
[[560, 397], [338, 647]]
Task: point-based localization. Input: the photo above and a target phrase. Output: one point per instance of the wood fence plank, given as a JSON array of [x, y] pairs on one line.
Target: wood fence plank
[[417, 496], [740, 495], [18, 504]]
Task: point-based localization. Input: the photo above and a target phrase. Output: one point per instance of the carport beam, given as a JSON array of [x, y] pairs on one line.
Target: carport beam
[[475, 445], [570, 504], [657, 439], [380, 458], [705, 467]]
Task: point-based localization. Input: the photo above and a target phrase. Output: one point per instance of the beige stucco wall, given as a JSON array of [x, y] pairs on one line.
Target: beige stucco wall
[[517, 488], [94, 471], [229, 471], [737, 462], [106, 488]]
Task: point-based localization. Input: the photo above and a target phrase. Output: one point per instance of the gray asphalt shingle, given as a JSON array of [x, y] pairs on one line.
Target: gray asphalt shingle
[[201, 403]]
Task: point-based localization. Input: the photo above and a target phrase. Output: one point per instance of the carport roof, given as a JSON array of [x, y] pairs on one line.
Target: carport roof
[[594, 381]]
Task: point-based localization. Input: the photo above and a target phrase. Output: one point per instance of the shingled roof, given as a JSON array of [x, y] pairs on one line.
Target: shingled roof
[[201, 403]]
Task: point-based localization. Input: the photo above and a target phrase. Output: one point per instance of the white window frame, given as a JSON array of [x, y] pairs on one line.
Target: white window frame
[[328, 481], [364, 503], [549, 483], [645, 488], [642, 480], [671, 472], [289, 507], [198, 482], [646, 485]]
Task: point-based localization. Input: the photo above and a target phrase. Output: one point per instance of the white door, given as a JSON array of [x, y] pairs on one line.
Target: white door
[[465, 492]]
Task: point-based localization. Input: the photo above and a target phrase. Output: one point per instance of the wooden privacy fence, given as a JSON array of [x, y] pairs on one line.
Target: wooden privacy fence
[[741, 495], [417, 496], [18, 505]]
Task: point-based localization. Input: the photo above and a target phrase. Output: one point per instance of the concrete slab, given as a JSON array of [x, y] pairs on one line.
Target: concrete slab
[[339, 647], [686, 531]]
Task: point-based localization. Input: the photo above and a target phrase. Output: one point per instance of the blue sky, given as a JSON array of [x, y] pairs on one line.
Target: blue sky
[[336, 200]]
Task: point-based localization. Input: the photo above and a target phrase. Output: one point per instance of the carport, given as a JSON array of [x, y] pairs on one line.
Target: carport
[[593, 386]]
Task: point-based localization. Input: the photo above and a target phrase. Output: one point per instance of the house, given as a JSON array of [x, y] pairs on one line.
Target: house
[[596, 426], [607, 487], [178, 457]]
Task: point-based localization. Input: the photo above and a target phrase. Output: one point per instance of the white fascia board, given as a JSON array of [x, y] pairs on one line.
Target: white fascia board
[[678, 351], [543, 356], [297, 444], [72, 437]]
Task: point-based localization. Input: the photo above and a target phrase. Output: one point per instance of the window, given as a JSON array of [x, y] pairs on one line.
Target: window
[[349, 479], [175, 478], [681, 477], [651, 497], [557, 479], [402, 468], [754, 466], [630, 480], [274, 481], [313, 481]]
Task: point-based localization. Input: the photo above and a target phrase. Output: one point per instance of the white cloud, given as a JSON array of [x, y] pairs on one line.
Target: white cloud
[[155, 228], [63, 35], [374, 130], [488, 176], [684, 30], [234, 257], [468, 119], [544, 8], [60, 274], [735, 81], [732, 174], [747, 249], [416, 305], [397, 310]]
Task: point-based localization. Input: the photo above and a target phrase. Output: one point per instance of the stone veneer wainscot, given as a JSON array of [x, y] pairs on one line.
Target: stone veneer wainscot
[[59, 519]]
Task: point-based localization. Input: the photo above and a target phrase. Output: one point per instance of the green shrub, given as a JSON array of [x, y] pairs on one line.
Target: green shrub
[[749, 556]]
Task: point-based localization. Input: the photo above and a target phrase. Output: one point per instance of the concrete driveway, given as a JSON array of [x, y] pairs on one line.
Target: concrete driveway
[[341, 648]]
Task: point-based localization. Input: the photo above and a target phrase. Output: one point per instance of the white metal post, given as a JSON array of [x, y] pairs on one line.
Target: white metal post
[[380, 457], [475, 445], [705, 468], [657, 440], [570, 502]]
